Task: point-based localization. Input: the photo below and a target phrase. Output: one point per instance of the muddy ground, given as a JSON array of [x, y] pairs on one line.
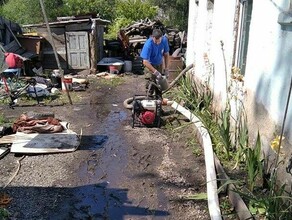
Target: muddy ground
[[118, 172]]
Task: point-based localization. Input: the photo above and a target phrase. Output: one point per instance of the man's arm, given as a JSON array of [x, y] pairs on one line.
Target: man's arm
[[152, 69], [149, 66], [166, 60]]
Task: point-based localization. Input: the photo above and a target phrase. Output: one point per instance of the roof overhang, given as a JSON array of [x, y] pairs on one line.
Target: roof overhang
[[68, 22]]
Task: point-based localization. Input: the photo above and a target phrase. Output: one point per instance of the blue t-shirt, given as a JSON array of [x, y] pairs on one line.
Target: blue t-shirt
[[154, 52]]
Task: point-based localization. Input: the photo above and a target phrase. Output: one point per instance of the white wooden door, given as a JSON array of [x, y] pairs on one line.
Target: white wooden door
[[77, 50]]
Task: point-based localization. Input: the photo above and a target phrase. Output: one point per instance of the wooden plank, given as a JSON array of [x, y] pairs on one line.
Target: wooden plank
[[65, 141], [8, 139]]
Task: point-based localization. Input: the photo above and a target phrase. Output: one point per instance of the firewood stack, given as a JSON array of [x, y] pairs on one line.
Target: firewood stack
[[138, 32]]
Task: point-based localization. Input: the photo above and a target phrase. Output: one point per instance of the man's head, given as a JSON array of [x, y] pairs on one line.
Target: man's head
[[157, 35]]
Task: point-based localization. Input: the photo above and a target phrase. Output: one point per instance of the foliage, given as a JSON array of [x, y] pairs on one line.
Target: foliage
[[135, 10], [120, 12], [225, 130], [104, 8], [175, 12], [3, 119], [254, 164], [267, 205], [29, 11], [4, 214], [20, 11], [114, 82], [128, 11]]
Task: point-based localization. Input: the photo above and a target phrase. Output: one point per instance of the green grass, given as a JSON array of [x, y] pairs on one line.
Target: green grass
[[195, 146], [4, 214], [114, 82], [3, 120]]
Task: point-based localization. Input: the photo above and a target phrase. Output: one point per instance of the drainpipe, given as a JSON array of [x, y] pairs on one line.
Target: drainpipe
[[236, 27]]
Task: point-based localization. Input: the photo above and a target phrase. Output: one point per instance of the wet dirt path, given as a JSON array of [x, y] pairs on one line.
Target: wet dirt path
[[117, 173]]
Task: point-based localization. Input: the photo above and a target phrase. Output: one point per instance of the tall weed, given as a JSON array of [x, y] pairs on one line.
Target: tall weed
[[224, 129], [254, 163]]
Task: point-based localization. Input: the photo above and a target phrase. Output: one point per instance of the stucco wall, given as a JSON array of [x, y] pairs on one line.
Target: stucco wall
[[205, 37], [268, 75], [268, 66]]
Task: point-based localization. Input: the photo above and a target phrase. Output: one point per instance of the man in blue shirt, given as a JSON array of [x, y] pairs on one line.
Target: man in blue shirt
[[154, 50]]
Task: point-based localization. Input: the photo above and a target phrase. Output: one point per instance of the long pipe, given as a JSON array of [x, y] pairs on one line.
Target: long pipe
[[183, 72], [202, 133], [205, 141]]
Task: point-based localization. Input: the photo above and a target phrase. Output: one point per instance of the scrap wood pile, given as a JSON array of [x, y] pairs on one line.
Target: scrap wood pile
[[139, 31]]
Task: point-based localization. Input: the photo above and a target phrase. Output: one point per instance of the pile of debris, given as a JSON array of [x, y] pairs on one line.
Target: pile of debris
[[131, 39], [135, 35], [139, 31], [35, 132]]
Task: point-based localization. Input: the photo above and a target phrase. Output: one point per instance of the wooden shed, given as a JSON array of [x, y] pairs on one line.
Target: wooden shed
[[78, 42]]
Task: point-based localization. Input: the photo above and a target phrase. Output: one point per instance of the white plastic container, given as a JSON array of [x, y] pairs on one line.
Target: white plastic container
[[127, 66]]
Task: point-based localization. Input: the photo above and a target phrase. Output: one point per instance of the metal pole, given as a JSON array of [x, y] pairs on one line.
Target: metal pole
[[54, 49]]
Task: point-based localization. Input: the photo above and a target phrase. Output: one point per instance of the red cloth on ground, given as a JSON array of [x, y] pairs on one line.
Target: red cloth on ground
[[45, 125]]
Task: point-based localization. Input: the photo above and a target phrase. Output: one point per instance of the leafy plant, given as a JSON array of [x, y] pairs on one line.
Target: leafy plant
[[267, 205], [29, 11], [4, 214], [224, 129], [188, 93], [175, 12], [193, 144], [127, 12], [242, 140], [254, 163]]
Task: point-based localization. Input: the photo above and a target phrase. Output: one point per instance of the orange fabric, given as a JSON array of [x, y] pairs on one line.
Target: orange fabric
[[28, 125]]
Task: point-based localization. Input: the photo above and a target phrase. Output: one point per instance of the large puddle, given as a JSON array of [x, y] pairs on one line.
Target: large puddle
[[102, 198]]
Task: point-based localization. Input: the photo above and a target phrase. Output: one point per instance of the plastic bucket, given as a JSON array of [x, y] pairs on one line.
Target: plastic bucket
[[127, 66], [67, 82]]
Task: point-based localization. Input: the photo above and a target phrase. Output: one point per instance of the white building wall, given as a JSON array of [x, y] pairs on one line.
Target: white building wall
[[200, 44], [223, 26], [268, 65], [192, 22], [268, 76], [268, 69]]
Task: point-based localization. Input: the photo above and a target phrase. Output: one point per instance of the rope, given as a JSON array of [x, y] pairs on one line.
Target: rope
[[16, 172]]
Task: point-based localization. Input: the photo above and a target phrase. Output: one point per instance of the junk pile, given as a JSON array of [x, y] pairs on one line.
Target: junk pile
[[130, 41], [43, 86], [39, 133], [138, 33]]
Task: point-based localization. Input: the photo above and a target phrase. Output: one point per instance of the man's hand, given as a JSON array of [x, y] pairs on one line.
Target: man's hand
[[157, 74], [166, 73]]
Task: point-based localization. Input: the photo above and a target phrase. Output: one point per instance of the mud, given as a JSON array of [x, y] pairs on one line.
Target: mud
[[118, 172]]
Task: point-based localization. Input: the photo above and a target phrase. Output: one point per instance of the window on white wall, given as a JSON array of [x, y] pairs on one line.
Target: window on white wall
[[245, 18], [285, 17]]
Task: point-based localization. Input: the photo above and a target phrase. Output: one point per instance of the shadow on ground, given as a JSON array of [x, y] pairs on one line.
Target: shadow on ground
[[83, 202]]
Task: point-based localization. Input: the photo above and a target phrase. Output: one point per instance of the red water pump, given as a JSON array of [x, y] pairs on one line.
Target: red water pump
[[146, 112]]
